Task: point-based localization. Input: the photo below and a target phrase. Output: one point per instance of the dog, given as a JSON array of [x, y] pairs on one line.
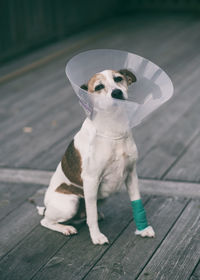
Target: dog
[[98, 162]]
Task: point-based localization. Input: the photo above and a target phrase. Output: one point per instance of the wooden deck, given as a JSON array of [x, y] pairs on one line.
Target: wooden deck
[[39, 114]]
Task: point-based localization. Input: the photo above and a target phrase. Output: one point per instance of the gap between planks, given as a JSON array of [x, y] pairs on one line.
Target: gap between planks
[[147, 186]]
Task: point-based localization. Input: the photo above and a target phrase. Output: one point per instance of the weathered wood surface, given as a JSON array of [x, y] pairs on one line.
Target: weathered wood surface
[[25, 259], [12, 195], [44, 100], [149, 187], [187, 167], [15, 226], [25, 176], [18, 212], [179, 253], [172, 144], [33, 251], [129, 254], [38, 95], [196, 273]]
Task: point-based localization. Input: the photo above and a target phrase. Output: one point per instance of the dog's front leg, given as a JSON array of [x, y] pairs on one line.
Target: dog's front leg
[[139, 215], [90, 187]]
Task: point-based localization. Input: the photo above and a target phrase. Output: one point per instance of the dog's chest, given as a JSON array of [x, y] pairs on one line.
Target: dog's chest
[[113, 176], [119, 163], [107, 160]]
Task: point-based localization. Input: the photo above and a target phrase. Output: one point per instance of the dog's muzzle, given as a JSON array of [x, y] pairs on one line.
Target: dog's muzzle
[[118, 94]]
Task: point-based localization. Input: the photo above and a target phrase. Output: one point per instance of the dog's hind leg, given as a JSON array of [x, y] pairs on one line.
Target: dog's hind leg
[[60, 210], [65, 229]]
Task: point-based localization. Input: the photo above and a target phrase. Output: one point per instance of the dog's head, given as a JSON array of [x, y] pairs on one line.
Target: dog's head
[[111, 83]]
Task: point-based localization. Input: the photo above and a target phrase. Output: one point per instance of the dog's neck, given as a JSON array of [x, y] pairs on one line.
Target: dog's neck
[[111, 124]]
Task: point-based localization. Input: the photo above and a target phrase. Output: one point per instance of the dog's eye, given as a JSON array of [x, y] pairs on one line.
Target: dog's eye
[[118, 79], [99, 87]]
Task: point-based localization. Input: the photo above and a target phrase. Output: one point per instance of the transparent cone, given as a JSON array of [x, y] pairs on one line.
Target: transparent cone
[[152, 88]]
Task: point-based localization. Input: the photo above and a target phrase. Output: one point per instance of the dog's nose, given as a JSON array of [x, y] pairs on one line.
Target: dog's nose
[[117, 93]]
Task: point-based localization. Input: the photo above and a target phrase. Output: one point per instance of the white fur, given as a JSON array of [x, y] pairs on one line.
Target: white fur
[[109, 155], [111, 84], [147, 232]]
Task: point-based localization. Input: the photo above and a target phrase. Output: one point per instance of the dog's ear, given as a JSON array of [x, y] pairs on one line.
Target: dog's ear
[[130, 77], [84, 86]]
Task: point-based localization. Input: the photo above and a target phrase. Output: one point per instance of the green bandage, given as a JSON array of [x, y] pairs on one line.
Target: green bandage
[[139, 214]]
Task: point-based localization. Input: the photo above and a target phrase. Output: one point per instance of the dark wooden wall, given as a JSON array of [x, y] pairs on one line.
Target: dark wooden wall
[[166, 5], [27, 24]]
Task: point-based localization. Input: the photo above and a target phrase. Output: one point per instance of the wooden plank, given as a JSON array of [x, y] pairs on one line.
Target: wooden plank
[[196, 273], [31, 96], [50, 157], [161, 120], [175, 111], [13, 194], [15, 226], [50, 162], [170, 188], [23, 157], [79, 256], [140, 24], [179, 253], [148, 187], [57, 50], [31, 254], [45, 132], [193, 95], [24, 176], [39, 116], [172, 144], [55, 55], [134, 252], [148, 133], [28, 93], [187, 168], [25, 259], [157, 29], [66, 45], [17, 86]]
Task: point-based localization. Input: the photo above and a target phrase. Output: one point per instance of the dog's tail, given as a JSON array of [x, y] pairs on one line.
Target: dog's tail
[[41, 210]]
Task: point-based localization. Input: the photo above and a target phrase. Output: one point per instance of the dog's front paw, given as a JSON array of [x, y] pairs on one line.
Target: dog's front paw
[[147, 232], [99, 238]]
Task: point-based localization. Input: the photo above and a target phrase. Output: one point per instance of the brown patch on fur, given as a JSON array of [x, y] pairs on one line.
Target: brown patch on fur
[[72, 164], [92, 81], [129, 76], [70, 189]]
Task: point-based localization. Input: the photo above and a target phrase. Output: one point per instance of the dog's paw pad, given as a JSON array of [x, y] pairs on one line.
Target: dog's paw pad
[[147, 232], [69, 230], [99, 239]]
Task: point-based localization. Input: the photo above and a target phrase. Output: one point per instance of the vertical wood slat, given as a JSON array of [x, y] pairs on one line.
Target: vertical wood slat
[[179, 253], [29, 24], [175, 5]]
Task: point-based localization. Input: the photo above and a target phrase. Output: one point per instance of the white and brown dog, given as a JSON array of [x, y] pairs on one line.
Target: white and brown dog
[[99, 160]]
